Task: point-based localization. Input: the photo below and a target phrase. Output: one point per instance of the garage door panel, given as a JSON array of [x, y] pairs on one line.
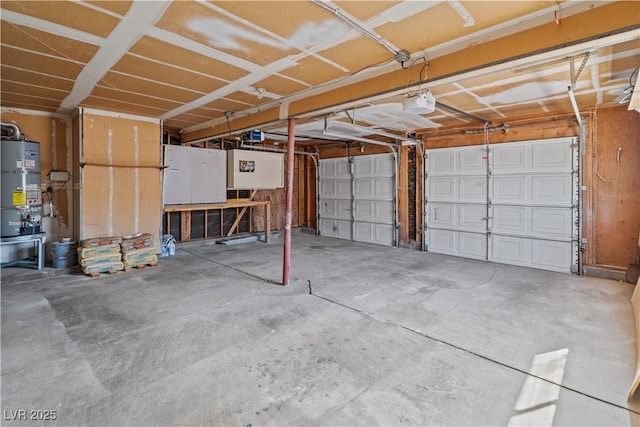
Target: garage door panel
[[335, 168], [360, 207], [374, 211], [544, 222], [363, 166], [509, 189], [536, 253], [473, 160], [459, 243], [442, 215], [335, 228], [552, 222], [508, 159], [457, 161], [377, 165], [549, 189], [468, 217], [509, 219], [554, 155], [335, 209], [441, 162], [443, 241], [384, 165], [381, 234], [472, 245], [472, 188], [335, 189], [383, 189], [549, 156], [552, 189], [472, 217], [549, 255], [531, 190], [441, 188], [457, 189], [510, 250]]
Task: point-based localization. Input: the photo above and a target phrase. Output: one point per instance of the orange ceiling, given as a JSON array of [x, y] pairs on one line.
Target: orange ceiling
[[189, 62]]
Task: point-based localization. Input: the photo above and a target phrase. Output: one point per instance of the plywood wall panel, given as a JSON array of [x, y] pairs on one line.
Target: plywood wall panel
[[616, 205], [120, 199]]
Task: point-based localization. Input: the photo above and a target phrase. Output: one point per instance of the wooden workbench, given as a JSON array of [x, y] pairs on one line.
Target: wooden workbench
[[244, 204]]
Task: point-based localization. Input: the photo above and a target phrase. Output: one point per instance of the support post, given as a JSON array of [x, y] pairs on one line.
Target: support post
[[289, 202]]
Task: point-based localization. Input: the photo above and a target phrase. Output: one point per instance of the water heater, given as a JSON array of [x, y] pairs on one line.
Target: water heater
[[21, 193]]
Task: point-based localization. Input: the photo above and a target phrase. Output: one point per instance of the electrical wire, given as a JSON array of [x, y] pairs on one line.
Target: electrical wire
[[424, 68], [594, 136]]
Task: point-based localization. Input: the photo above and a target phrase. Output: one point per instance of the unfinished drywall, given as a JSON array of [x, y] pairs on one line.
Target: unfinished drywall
[[612, 198], [52, 131], [121, 184]]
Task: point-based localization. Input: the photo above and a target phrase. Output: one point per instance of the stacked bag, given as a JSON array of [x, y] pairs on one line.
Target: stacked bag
[[100, 255], [111, 254], [138, 251]]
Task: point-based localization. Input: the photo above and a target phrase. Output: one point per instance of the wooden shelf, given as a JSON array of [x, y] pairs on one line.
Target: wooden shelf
[[245, 204]]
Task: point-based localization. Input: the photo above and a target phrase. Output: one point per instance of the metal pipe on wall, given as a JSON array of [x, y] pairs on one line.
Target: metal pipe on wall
[[396, 225], [286, 262], [581, 150]]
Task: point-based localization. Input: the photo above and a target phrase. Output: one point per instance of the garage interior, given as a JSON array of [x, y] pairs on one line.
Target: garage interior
[[449, 191]]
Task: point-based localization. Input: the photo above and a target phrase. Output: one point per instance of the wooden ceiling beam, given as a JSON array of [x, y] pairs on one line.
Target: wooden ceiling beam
[[591, 25]]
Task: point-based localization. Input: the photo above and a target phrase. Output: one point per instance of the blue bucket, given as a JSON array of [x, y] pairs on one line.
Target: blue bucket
[[64, 254]]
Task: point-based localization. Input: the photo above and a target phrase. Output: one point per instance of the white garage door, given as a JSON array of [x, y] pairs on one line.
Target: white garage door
[[513, 203], [357, 200], [457, 201]]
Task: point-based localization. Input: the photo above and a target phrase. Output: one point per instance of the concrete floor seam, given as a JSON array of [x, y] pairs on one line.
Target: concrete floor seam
[[476, 354], [232, 268]]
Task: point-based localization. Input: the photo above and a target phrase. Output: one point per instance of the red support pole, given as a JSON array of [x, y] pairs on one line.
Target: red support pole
[[289, 206]]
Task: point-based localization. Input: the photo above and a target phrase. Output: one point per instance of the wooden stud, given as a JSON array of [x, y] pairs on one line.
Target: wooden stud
[[185, 226], [403, 195], [241, 214]]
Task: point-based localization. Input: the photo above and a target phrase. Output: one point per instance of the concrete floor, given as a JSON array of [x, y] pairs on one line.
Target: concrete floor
[[387, 337]]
